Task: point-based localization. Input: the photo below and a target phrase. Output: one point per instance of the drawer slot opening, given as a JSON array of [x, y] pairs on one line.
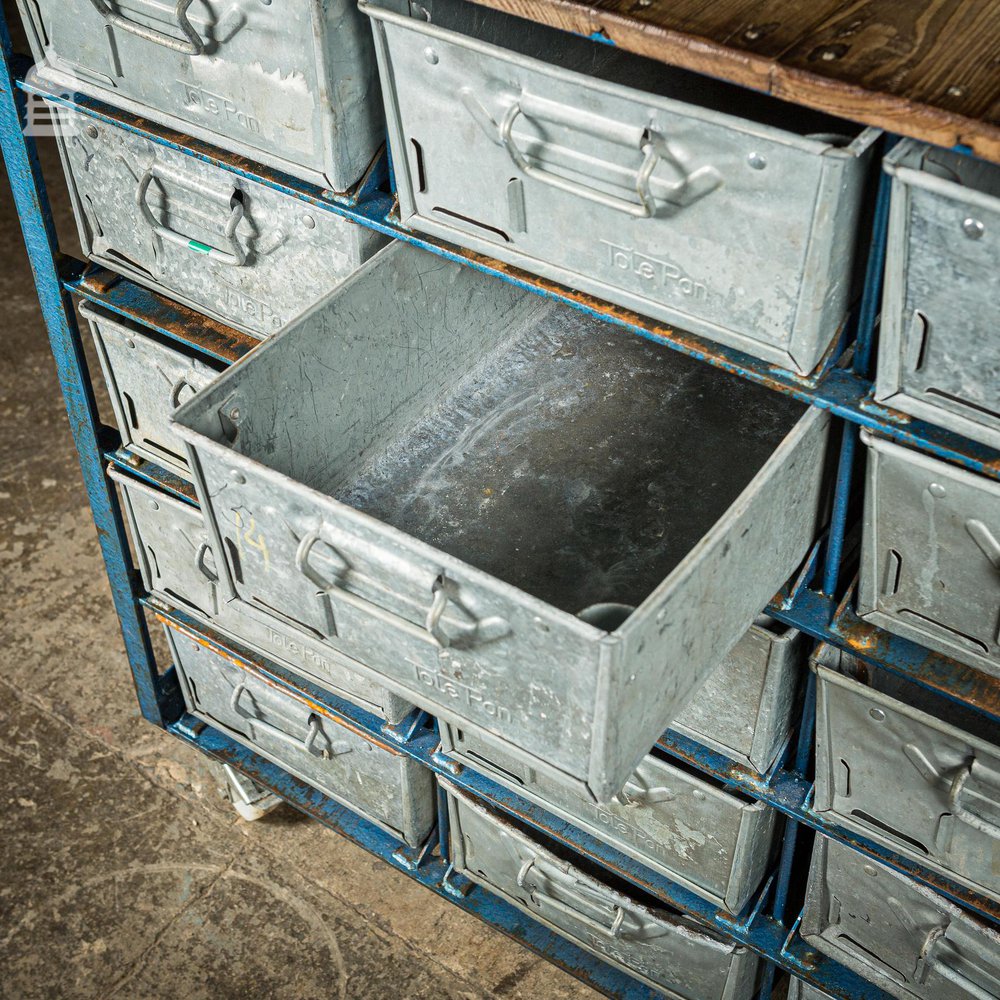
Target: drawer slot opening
[[852, 944], [986, 411], [892, 831], [127, 261], [475, 223], [966, 640]]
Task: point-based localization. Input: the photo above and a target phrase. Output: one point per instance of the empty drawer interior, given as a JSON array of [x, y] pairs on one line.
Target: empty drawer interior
[[550, 449]]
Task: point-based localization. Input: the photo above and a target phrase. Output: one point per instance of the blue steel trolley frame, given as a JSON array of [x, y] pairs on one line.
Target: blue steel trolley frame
[[819, 601]]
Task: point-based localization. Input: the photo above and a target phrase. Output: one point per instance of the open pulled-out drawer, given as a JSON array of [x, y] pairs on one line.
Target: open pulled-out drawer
[[520, 517]]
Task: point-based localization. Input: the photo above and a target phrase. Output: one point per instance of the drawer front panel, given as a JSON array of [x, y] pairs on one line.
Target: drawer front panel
[[147, 381], [693, 219], [909, 781], [930, 554], [714, 843], [938, 358], [177, 564], [904, 938], [245, 254], [382, 785], [293, 86], [668, 951]]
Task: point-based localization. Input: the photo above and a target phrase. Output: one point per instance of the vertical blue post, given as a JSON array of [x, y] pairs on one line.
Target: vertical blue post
[[28, 187], [864, 345]]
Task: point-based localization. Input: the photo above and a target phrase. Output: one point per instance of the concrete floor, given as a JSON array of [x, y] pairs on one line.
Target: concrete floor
[[123, 873]]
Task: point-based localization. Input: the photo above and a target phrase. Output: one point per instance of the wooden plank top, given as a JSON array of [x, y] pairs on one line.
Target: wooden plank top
[[923, 68]]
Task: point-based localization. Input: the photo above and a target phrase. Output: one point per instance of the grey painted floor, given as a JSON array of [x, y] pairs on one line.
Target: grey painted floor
[[123, 873]]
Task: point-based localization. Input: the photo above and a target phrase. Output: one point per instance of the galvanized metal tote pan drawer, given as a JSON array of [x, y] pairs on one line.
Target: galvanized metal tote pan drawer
[[744, 709], [624, 178], [177, 564], [516, 515], [715, 842], [147, 380], [291, 85], [904, 938], [930, 554], [939, 357], [243, 253], [667, 950], [918, 784], [285, 725]]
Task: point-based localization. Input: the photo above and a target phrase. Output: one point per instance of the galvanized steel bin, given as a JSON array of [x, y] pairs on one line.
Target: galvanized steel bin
[[644, 937], [930, 553], [293, 85], [514, 514], [688, 200], [244, 253], [285, 725], [177, 565], [147, 379], [745, 708], [917, 773], [939, 356], [715, 842], [895, 933]]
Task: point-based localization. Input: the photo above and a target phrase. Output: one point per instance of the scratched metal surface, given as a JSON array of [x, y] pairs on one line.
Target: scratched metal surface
[[939, 358], [901, 936], [575, 464], [716, 842], [660, 946], [293, 86], [739, 231], [929, 554]]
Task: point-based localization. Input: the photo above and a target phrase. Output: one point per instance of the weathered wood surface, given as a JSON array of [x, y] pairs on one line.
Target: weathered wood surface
[[924, 68]]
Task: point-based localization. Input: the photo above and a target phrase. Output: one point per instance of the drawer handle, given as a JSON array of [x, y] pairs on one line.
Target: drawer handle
[[175, 392], [234, 257], [279, 734], [613, 930], [931, 959], [201, 563], [433, 625], [190, 44], [688, 189], [635, 794], [974, 820]]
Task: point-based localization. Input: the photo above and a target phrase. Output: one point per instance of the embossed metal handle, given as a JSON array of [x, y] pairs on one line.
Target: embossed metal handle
[[635, 794], [961, 812], [235, 257], [933, 960], [204, 550], [175, 392], [191, 44], [654, 149], [280, 734], [612, 930], [433, 626]]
